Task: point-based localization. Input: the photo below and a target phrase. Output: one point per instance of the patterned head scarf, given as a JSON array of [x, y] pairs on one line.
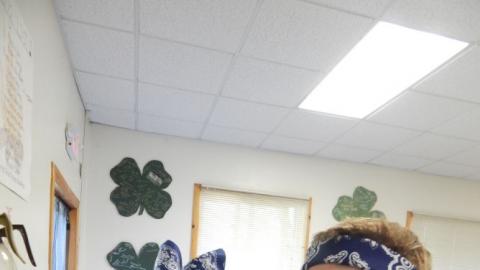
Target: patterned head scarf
[[213, 260], [357, 252], [170, 258]]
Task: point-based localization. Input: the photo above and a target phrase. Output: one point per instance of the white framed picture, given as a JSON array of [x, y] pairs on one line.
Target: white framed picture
[[16, 97]]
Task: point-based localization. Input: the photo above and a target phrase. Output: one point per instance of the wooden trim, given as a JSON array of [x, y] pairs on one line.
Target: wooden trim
[[309, 218], [59, 187], [63, 191], [73, 239], [410, 217], [195, 220], [52, 211]]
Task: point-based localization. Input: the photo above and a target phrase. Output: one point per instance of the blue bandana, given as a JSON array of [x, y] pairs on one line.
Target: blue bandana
[[357, 252], [213, 260], [170, 258]]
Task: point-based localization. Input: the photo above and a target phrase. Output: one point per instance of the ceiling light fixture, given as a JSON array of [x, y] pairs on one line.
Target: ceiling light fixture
[[388, 60]]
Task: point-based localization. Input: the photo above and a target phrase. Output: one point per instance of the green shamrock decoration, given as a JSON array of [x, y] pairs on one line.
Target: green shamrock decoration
[[123, 257], [360, 205], [142, 190]]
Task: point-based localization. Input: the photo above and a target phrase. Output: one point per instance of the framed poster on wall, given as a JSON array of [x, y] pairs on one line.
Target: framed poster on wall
[[16, 97]]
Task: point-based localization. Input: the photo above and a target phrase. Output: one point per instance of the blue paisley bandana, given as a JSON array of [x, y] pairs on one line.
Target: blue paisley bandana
[[170, 258], [357, 252], [213, 260]]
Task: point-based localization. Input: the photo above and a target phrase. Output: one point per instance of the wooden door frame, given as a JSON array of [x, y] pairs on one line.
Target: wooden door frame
[[59, 188]]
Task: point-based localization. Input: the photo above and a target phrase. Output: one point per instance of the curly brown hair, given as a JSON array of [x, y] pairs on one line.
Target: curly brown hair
[[392, 235]]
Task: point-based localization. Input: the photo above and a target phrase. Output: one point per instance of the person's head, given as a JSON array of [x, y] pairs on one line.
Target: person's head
[[367, 244]]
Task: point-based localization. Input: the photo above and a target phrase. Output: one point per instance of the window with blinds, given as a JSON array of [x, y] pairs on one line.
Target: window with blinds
[[454, 243], [256, 231]]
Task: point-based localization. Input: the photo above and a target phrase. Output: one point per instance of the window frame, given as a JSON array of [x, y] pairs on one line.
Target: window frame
[[60, 188], [197, 188], [409, 220]]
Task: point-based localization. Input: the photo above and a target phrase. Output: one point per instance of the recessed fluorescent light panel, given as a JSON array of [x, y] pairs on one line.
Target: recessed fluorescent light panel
[[388, 60]]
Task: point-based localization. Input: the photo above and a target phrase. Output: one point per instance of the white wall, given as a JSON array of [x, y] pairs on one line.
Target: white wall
[[233, 167], [56, 102]]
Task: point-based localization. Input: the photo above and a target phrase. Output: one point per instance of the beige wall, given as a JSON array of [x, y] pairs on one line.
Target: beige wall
[[56, 102], [234, 167]]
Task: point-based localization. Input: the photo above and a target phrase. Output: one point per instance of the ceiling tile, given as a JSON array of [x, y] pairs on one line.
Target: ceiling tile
[[458, 79], [106, 91], [371, 8], [149, 123], [218, 24], [314, 126], [420, 111], [348, 153], [304, 34], [247, 116], [376, 137], [401, 161], [269, 83], [456, 19], [100, 50], [467, 126], [181, 66], [233, 136], [449, 169], [292, 145], [432, 146], [171, 103], [110, 13], [111, 117], [471, 157]]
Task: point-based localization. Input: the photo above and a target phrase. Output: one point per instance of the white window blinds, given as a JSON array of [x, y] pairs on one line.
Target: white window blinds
[[256, 231], [454, 243]]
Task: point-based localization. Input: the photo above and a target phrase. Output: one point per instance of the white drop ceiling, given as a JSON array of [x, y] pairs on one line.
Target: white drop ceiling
[[234, 72]]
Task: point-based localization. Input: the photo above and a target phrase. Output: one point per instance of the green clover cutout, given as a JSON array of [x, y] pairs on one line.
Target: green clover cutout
[[123, 257], [360, 205], [141, 190]]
